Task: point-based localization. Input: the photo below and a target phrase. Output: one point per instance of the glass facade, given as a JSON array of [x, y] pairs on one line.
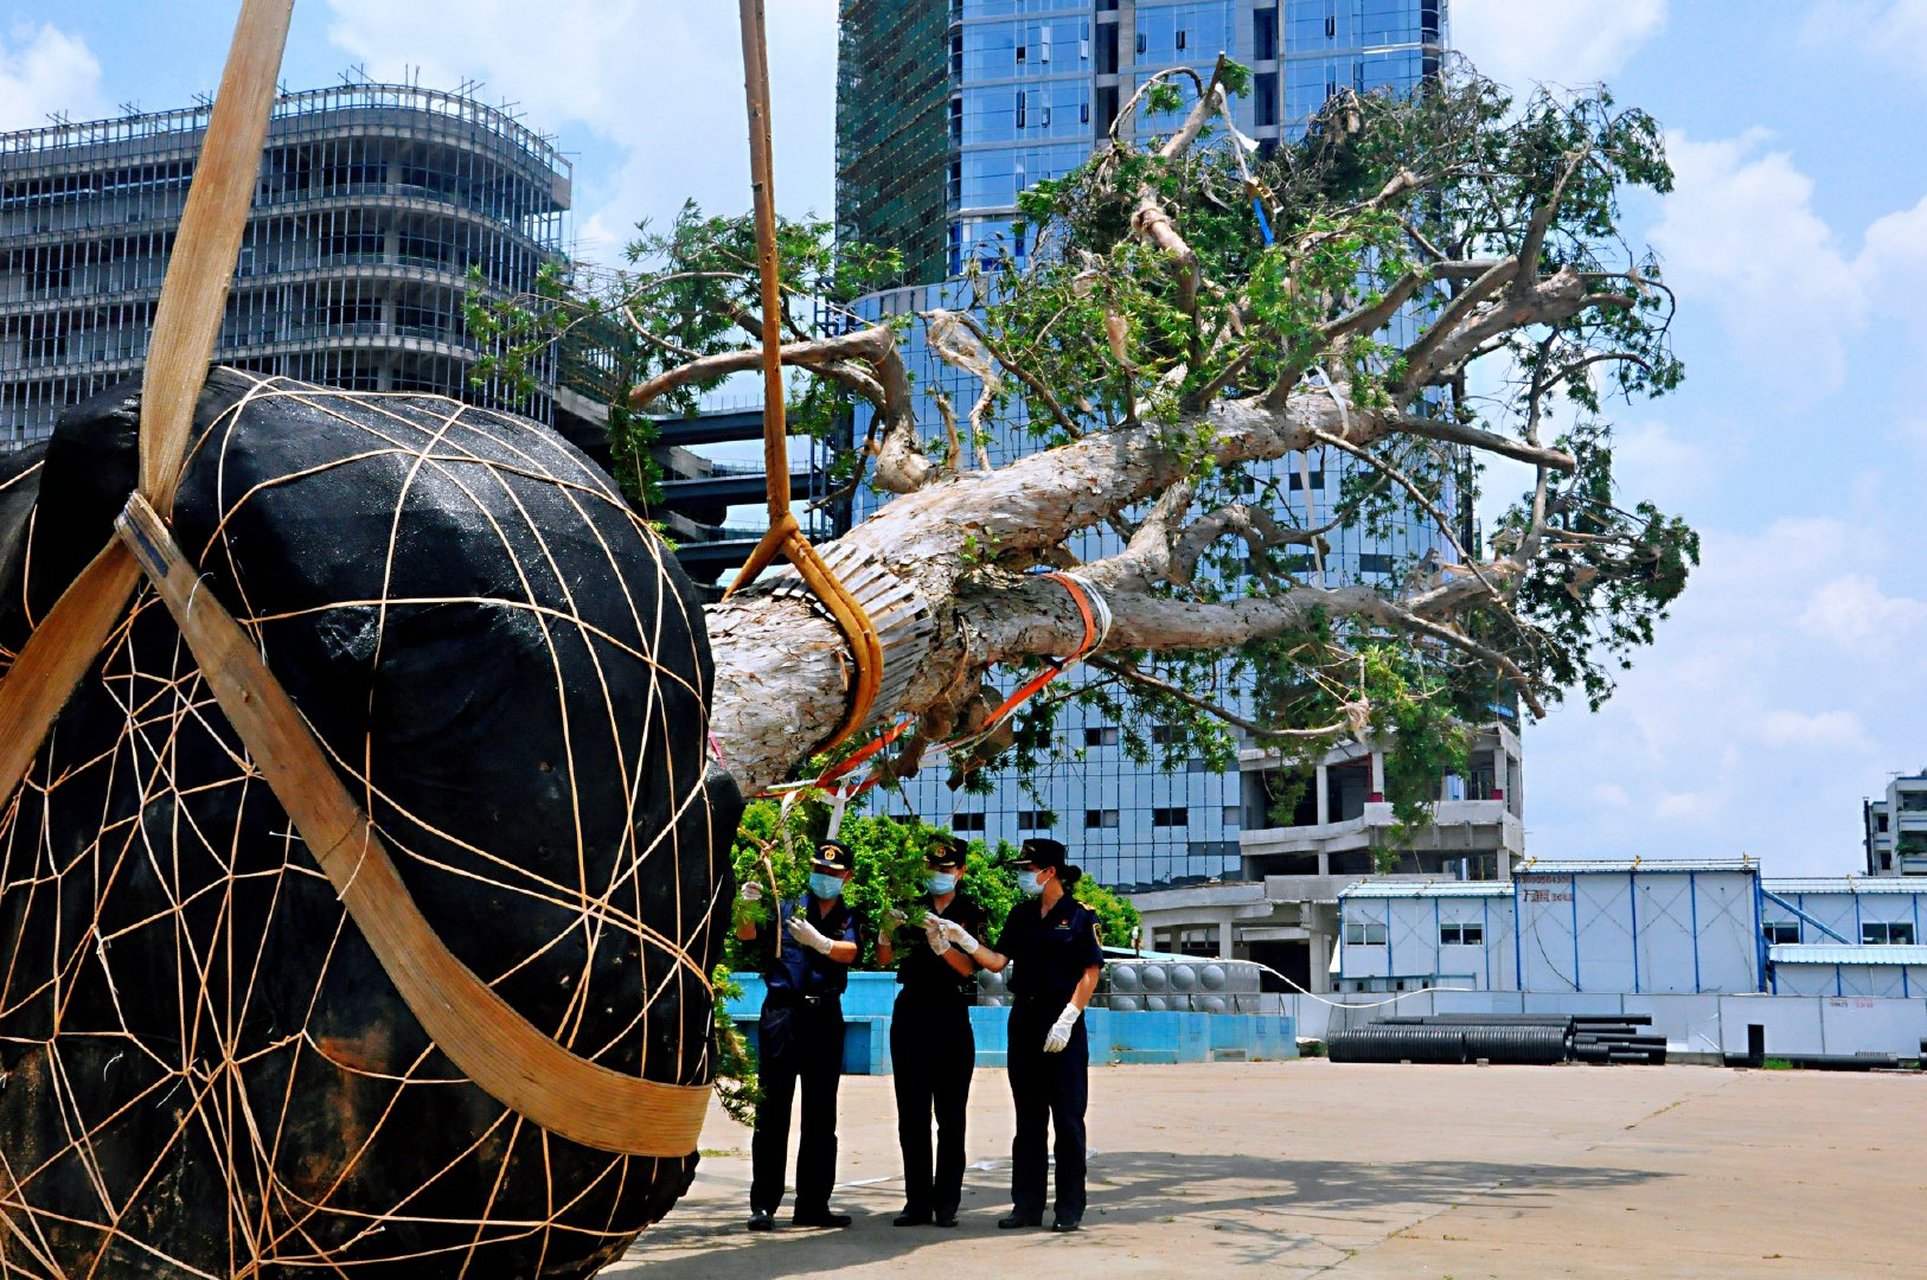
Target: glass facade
[[894, 119], [1033, 87]]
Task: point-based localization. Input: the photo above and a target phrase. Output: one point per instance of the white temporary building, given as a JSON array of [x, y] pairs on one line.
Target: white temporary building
[[1636, 927], [1845, 911], [1404, 936], [1811, 969]]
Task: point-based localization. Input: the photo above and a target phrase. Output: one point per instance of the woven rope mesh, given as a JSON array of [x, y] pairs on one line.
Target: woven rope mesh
[[206, 1072]]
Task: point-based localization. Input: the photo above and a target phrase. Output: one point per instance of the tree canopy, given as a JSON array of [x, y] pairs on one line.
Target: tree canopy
[[1433, 289]]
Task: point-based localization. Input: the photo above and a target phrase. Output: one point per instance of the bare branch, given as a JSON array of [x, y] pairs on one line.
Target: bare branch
[[1119, 667]]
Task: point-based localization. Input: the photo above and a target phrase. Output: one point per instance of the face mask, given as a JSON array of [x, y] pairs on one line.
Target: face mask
[[826, 886], [1029, 883], [940, 882]]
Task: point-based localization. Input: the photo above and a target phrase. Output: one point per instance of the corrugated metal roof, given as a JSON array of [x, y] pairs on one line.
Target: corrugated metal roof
[[1620, 866], [1846, 884], [1427, 889], [1811, 953]]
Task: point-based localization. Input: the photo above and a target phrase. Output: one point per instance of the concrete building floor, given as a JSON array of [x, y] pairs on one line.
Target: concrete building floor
[[1298, 1169]]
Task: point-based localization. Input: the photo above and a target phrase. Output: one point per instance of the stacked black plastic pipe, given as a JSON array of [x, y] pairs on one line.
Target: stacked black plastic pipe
[[1510, 1038]]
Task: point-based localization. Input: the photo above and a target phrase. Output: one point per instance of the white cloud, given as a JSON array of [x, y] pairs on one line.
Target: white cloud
[[1653, 461], [1781, 688], [1894, 31], [43, 70], [1853, 614], [1739, 233], [1893, 265], [1825, 729], [1526, 42], [657, 84]]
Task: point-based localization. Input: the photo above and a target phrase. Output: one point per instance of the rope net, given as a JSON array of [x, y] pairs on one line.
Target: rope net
[[204, 1070]]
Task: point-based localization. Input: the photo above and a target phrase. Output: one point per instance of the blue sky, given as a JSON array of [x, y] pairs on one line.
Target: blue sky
[[1793, 676]]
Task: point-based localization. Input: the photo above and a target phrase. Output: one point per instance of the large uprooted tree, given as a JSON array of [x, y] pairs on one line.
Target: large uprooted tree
[[1424, 286]]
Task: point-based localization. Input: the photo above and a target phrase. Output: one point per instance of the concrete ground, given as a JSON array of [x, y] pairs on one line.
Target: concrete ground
[[1305, 1168]]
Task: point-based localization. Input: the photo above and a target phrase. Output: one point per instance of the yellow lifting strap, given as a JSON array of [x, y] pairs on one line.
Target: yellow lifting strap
[[785, 535]]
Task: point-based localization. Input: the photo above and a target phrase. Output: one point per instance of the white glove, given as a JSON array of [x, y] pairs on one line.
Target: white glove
[[956, 935], [933, 934], [1060, 1031], [809, 935], [894, 919], [750, 891]]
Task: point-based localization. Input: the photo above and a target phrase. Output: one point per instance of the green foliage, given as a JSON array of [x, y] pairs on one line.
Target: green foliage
[[736, 1084], [888, 874]]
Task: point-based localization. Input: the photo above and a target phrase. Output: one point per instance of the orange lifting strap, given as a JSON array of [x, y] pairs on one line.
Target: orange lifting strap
[[785, 535]]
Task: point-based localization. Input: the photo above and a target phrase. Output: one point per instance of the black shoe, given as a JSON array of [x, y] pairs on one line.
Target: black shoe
[[760, 1220], [822, 1218], [1066, 1224], [1011, 1221], [912, 1218], [946, 1218]]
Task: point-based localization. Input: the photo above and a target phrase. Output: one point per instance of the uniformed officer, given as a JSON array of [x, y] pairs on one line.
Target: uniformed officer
[[931, 1043], [1054, 942], [811, 945]]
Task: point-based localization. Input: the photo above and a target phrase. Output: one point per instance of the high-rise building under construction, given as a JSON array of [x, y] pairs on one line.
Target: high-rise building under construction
[[376, 210]]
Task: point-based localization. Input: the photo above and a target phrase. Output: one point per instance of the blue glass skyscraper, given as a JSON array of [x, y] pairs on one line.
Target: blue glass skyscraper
[[946, 110]]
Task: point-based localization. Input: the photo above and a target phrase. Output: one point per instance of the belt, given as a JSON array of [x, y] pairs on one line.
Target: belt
[[775, 1001]]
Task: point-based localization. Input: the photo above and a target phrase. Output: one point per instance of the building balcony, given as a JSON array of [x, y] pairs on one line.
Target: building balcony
[[1455, 824]]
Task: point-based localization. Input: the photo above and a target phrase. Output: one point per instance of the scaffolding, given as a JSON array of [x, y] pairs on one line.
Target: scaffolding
[[373, 204]]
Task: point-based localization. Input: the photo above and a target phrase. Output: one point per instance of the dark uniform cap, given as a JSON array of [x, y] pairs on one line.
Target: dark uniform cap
[[1039, 852], [833, 855], [946, 853]]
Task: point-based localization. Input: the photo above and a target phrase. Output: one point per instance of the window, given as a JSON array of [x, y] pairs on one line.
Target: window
[[1265, 103], [1020, 55], [1365, 933], [1782, 932], [1143, 44], [1020, 109], [1102, 736], [1035, 819], [1180, 37], [1165, 735], [1462, 935], [1331, 28], [1880, 933], [1264, 35], [966, 822], [1178, 816], [1233, 816], [1100, 819]]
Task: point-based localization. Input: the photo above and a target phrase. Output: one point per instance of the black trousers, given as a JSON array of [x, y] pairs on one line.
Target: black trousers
[[800, 1042], [933, 1051], [1050, 1090]]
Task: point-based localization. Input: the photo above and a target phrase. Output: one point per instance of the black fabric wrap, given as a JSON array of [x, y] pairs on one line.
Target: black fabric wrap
[[513, 676]]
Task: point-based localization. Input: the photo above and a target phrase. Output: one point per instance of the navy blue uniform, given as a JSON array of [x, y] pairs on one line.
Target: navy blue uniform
[[933, 1051], [799, 1037], [1049, 955]]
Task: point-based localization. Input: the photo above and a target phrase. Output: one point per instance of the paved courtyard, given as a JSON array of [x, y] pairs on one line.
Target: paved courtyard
[[1308, 1169]]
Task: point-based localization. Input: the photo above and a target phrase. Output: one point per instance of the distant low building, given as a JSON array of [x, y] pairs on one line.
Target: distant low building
[[1895, 828], [1308, 833]]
